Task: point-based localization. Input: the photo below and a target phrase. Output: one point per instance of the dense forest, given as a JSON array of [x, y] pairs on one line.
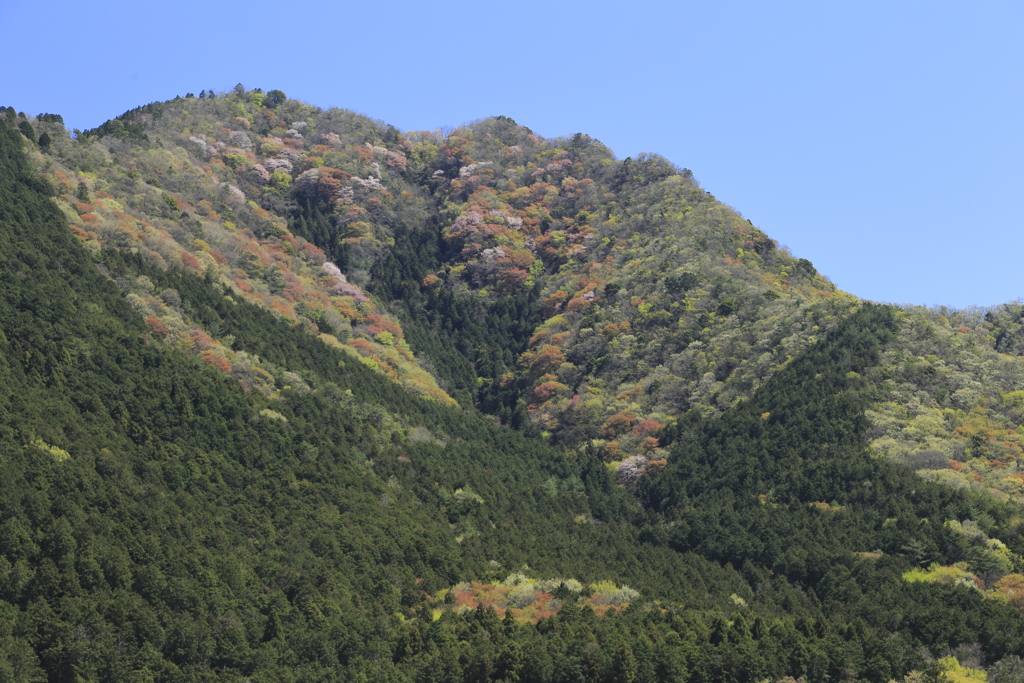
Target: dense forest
[[291, 395]]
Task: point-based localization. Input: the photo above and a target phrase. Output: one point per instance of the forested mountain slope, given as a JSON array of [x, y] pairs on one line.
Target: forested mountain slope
[[543, 281], [154, 507], [952, 405], [239, 469]]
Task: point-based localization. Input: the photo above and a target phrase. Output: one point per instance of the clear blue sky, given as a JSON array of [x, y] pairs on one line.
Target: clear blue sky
[[884, 141]]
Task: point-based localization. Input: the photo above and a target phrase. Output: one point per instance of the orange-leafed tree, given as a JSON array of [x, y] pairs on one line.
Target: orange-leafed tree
[[619, 423], [548, 358]]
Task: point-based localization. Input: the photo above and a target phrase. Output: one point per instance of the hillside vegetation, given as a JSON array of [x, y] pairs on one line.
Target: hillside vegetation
[[288, 394]]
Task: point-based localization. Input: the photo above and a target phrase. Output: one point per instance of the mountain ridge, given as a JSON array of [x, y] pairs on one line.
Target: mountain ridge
[[308, 516]]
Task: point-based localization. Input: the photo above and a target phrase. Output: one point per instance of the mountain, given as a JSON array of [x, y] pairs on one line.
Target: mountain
[[289, 394]]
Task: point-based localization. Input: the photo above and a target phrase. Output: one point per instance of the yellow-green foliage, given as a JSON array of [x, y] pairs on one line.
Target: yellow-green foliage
[[58, 454], [956, 574], [521, 595], [951, 672], [952, 407], [997, 556], [467, 494], [957, 673], [607, 593]]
